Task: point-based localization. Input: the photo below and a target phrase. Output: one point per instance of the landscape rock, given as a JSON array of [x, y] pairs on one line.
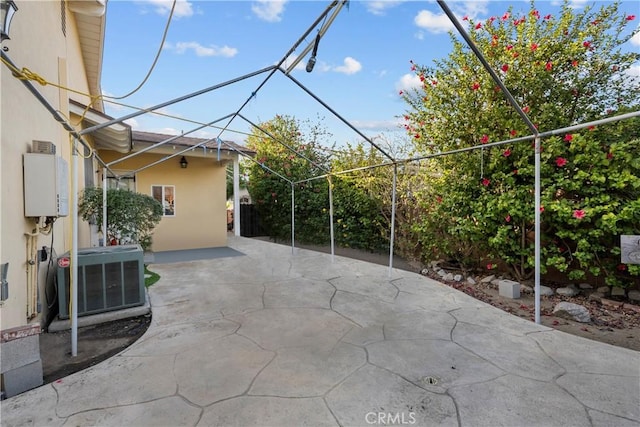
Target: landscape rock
[[488, 279], [495, 282], [441, 272], [603, 290], [617, 292], [448, 276], [585, 286], [471, 281], [457, 277], [568, 310], [526, 289], [424, 271], [596, 296], [568, 291], [546, 291], [634, 296]]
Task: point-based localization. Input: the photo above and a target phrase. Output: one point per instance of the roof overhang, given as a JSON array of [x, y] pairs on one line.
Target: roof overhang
[[116, 137], [90, 17]]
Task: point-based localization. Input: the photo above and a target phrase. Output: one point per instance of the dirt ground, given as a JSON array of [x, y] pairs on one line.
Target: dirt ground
[[617, 325]]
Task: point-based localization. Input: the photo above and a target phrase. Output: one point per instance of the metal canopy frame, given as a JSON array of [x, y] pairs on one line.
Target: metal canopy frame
[[536, 136]]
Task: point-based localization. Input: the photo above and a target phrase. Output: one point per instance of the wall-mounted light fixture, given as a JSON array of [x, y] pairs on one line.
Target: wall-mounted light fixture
[[183, 163], [7, 9]]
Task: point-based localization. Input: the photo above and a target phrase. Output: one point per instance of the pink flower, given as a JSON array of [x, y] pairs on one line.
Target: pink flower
[[591, 128], [578, 214], [574, 63], [416, 136], [621, 267], [568, 137], [535, 14], [506, 152], [630, 17], [505, 16], [486, 182], [490, 266], [434, 82], [484, 139], [526, 109], [609, 155], [515, 171], [475, 86], [413, 67], [513, 132], [507, 218], [541, 208], [547, 17], [548, 66], [505, 67], [465, 18], [400, 93], [478, 25], [534, 46], [561, 161], [586, 44], [509, 46]]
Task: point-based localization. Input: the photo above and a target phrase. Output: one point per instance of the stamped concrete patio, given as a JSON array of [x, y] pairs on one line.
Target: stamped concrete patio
[[275, 339]]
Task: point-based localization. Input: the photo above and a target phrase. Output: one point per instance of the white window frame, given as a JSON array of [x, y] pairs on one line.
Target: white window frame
[[168, 199]]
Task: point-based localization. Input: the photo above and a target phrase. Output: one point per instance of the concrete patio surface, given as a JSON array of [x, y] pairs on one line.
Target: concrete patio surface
[[273, 338]]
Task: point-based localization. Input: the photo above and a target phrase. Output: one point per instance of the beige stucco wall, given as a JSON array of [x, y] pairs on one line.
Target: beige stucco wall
[[37, 42], [200, 199]]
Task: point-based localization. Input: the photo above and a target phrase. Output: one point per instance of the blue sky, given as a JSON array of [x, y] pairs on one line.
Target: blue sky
[[362, 60]]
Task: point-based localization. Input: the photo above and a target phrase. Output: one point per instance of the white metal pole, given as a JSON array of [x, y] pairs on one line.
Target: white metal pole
[[74, 250], [537, 229], [104, 207], [333, 250], [236, 196], [393, 217], [293, 219]]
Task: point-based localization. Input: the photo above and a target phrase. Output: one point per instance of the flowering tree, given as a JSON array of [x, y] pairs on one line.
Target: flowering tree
[[562, 70]]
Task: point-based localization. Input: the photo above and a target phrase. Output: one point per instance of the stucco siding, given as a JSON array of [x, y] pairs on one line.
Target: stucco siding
[[37, 42], [200, 199]]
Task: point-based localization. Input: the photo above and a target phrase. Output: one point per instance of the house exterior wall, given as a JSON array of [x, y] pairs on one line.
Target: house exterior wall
[[200, 199], [42, 48]]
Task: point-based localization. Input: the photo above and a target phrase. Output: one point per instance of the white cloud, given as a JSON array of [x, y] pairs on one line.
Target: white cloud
[[291, 59], [199, 50], [635, 40], [163, 7], [350, 66], [408, 82], [440, 23], [269, 10], [376, 124], [379, 7], [574, 4], [432, 22], [634, 72]]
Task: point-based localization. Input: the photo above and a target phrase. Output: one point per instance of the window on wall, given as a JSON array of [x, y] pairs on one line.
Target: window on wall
[[165, 194], [125, 182]]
